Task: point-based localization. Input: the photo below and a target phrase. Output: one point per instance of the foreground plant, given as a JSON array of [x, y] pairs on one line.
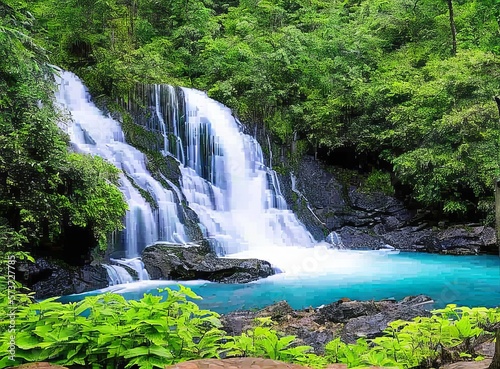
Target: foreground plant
[[262, 341], [108, 331]]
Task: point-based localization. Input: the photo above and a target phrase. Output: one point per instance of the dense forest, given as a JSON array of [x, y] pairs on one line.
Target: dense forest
[[50, 197], [406, 87]]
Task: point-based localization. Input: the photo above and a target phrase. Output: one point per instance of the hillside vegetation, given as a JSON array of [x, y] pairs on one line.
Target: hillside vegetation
[[51, 199], [404, 85]]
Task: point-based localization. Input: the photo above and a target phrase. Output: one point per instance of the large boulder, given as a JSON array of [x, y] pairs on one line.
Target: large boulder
[[372, 325], [342, 311], [48, 277], [189, 262]]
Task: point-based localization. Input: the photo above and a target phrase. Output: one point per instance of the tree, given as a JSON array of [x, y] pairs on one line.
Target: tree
[[45, 191], [453, 29]]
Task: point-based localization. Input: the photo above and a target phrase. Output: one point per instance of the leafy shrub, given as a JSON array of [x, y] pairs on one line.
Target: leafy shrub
[[107, 331], [378, 181], [263, 341]]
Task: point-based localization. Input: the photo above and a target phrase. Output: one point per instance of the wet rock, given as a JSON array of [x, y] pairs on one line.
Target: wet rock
[[372, 325], [238, 322], [359, 238], [364, 327], [47, 277], [299, 323], [189, 262], [410, 238], [367, 220], [278, 311], [342, 312]]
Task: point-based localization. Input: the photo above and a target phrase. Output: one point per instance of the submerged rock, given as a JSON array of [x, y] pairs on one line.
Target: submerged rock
[[190, 262]]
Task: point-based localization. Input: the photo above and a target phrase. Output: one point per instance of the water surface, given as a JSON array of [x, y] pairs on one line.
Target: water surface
[[363, 275]]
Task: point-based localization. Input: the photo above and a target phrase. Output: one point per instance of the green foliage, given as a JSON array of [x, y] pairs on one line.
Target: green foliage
[[420, 342], [44, 189], [373, 76], [263, 341], [95, 201], [109, 331], [378, 181]]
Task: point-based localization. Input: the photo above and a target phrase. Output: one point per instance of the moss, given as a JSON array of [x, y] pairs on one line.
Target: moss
[[145, 194], [138, 136], [159, 164]]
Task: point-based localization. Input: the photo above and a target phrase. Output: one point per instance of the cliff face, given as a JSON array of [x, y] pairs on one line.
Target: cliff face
[[372, 219]]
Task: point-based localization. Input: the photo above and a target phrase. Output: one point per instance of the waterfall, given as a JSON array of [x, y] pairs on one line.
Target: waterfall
[[117, 274], [224, 179], [335, 240], [93, 133], [135, 264]]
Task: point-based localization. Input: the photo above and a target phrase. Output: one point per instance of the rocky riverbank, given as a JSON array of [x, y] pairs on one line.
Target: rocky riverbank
[[346, 319]]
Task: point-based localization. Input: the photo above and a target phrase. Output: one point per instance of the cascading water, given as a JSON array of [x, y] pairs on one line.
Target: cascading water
[[117, 275], [224, 179], [93, 133]]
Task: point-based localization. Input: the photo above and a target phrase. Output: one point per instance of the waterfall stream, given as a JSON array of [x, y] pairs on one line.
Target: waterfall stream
[[93, 133], [224, 179], [223, 176]]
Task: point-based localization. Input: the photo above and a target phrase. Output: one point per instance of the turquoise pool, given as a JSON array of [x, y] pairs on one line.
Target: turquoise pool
[[363, 275]]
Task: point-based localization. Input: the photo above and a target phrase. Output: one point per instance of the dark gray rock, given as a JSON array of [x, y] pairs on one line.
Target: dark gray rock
[[372, 325], [342, 312], [180, 262], [348, 319], [49, 278], [364, 327], [278, 311], [238, 322], [302, 209], [370, 220], [359, 238]]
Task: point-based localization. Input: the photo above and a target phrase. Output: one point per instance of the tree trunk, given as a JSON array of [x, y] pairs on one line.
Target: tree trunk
[[495, 364], [453, 29]]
